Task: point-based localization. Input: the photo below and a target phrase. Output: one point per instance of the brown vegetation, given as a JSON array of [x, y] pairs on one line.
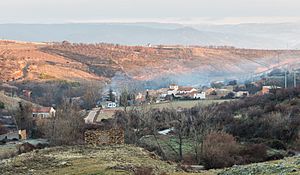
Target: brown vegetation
[[219, 150], [249, 126], [66, 128], [96, 62]]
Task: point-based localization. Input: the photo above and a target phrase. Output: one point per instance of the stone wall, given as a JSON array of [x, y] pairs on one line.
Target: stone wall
[[106, 137]]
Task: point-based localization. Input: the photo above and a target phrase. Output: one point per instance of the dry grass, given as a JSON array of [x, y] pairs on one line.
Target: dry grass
[[140, 63], [85, 160], [105, 114]]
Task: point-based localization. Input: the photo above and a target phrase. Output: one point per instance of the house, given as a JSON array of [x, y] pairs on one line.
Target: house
[[197, 95], [108, 104], [139, 98], [210, 91], [172, 89], [186, 90], [162, 93], [222, 92], [27, 94], [8, 128], [241, 94], [43, 112], [179, 91], [266, 89], [229, 87]]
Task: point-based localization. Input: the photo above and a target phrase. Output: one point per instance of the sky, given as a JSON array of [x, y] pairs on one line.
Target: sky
[[180, 11]]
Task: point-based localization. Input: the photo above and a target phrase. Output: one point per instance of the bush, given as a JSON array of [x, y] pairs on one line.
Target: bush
[[254, 153], [2, 106], [25, 147], [144, 171], [296, 145], [276, 144], [219, 150]]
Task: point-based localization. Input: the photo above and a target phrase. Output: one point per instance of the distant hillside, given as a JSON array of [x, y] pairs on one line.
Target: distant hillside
[[106, 62], [263, 36]]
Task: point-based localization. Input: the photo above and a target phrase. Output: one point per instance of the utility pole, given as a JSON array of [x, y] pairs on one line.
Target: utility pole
[[285, 79], [295, 79]]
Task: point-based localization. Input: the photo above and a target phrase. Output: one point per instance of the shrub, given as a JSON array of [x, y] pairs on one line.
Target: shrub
[[2, 106], [276, 144], [296, 145], [254, 153], [25, 147], [219, 150], [144, 171]]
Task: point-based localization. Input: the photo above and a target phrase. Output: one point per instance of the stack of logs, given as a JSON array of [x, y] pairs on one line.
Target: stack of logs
[[107, 137]]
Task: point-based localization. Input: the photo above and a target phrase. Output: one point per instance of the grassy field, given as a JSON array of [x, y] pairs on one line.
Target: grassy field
[[7, 150], [174, 105], [85, 160], [168, 143]]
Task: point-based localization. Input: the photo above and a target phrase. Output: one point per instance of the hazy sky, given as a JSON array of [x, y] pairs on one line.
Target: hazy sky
[[184, 11]]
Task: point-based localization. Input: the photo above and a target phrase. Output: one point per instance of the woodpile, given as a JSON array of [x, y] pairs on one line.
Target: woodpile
[[106, 137]]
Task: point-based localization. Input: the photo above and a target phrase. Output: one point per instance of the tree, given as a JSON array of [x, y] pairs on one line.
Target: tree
[[180, 124], [201, 126], [217, 84], [66, 127], [124, 99], [111, 95], [24, 118], [232, 83], [230, 95], [91, 95], [148, 98]]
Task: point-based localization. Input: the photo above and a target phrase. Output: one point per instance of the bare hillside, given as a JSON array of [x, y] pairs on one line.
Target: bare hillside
[[24, 61], [81, 62]]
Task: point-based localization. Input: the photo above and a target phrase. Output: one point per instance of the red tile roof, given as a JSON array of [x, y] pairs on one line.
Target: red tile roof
[[41, 109], [185, 88]]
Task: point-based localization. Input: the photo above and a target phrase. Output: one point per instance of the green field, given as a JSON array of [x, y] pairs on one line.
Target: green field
[[168, 143]]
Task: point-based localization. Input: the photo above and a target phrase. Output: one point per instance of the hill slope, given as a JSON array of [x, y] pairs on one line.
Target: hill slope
[[123, 159], [102, 62], [84, 160]]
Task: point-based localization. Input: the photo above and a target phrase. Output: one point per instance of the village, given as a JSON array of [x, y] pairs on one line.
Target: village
[[110, 102]]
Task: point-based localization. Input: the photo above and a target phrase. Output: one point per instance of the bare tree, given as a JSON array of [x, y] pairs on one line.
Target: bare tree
[[180, 125], [23, 116], [91, 95], [66, 128]]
